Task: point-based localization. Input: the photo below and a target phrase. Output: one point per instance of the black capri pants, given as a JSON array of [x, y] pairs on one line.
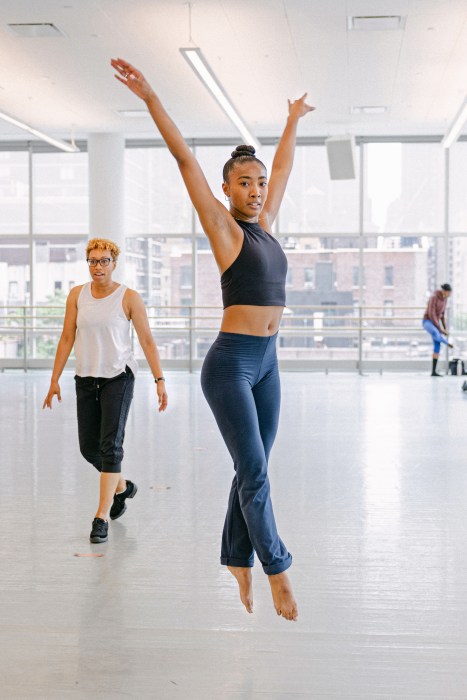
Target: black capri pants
[[102, 407]]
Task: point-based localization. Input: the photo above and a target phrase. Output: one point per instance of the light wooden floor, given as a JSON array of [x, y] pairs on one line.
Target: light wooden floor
[[369, 484]]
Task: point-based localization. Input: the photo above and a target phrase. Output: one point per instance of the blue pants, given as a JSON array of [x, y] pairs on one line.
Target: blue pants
[[240, 380], [438, 338]]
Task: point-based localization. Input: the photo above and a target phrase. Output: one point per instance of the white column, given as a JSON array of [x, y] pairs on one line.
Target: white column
[[106, 183]]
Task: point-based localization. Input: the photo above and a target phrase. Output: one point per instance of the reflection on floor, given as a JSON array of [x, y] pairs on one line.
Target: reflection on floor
[[369, 484]]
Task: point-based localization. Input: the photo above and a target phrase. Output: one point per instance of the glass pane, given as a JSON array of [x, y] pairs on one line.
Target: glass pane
[[156, 200], [60, 193], [399, 275], [160, 269], [14, 295], [457, 305], [209, 298], [404, 188], [458, 187], [14, 271], [14, 192], [143, 267], [320, 321], [59, 265], [315, 203]]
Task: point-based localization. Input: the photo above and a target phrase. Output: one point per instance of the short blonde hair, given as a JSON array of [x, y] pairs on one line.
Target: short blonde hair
[[103, 244]]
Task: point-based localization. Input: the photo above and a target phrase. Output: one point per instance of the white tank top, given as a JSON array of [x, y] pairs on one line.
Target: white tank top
[[102, 343]]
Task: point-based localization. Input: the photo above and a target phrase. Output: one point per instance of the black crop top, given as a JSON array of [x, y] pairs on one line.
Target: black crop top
[[257, 275]]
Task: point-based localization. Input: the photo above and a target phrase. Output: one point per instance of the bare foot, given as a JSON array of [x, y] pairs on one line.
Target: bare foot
[[283, 596], [245, 584]]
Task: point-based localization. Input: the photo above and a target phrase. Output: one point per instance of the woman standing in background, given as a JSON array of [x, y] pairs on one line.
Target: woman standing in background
[[434, 322], [97, 323]]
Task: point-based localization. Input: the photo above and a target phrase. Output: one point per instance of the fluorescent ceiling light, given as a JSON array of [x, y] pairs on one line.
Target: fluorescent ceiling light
[[376, 23], [133, 113], [34, 29], [368, 110], [197, 61], [63, 145], [456, 126]]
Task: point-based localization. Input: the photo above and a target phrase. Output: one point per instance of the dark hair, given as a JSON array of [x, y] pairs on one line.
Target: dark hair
[[242, 154], [446, 287]]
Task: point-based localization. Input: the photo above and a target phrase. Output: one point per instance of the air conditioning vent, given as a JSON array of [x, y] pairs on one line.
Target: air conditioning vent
[[376, 23]]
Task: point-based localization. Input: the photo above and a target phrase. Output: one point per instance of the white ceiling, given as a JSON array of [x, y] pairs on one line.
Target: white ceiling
[[263, 51]]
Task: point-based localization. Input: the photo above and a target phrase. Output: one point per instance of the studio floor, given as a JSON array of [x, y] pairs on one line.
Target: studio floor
[[369, 485]]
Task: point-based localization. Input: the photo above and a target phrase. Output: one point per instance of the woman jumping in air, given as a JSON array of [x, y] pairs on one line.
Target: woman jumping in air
[[240, 376]]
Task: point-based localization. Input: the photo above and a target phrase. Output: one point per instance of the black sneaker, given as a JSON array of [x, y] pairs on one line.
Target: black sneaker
[[119, 506], [99, 532]]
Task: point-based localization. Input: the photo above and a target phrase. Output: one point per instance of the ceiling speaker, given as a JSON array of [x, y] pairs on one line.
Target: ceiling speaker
[[341, 159]]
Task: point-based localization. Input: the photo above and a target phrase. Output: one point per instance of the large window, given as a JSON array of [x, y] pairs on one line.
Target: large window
[[15, 284], [458, 188], [60, 193], [160, 269], [404, 188], [458, 278], [319, 318], [59, 264], [156, 201], [363, 256], [14, 192], [15, 275], [315, 203], [399, 273]]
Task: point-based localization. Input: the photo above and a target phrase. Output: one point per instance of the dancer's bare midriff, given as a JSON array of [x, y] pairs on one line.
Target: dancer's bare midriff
[[252, 320]]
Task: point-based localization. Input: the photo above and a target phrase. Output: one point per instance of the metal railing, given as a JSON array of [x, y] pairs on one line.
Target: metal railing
[[311, 337]]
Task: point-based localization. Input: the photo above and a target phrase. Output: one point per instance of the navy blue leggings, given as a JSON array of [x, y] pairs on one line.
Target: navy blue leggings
[[240, 380]]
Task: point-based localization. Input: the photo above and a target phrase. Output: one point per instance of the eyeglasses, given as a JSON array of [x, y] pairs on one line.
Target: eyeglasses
[[103, 262]]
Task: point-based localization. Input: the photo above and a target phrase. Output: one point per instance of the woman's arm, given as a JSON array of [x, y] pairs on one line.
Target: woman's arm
[[137, 313], [216, 221], [64, 346], [283, 162]]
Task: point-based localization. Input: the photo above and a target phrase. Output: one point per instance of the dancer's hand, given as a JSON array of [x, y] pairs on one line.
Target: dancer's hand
[[132, 78], [162, 396], [298, 108], [54, 390]]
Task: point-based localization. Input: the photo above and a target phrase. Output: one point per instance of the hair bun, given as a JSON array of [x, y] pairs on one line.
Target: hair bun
[[243, 151]]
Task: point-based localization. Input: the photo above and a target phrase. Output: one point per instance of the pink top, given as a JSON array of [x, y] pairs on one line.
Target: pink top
[[435, 309]]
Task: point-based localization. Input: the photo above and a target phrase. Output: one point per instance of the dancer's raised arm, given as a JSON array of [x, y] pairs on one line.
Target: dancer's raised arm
[[283, 161], [215, 219]]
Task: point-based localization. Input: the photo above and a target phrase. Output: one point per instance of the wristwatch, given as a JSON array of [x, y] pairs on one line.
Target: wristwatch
[[159, 379]]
